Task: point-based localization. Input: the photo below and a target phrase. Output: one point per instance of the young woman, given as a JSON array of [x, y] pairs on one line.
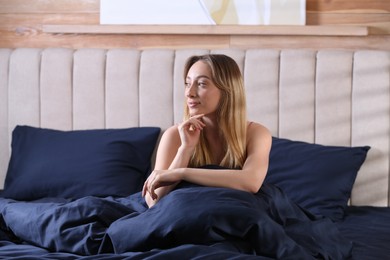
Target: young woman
[[215, 131]]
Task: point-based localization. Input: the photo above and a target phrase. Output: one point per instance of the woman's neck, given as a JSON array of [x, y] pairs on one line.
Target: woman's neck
[[215, 142], [212, 130]]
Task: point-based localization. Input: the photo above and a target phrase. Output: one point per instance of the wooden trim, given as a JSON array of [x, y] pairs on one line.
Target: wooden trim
[[309, 30]]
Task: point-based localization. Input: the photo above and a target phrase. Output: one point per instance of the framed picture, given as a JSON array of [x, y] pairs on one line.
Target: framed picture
[[203, 12]]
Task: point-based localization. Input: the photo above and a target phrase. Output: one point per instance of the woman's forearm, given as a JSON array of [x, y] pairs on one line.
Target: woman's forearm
[[181, 160], [246, 180]]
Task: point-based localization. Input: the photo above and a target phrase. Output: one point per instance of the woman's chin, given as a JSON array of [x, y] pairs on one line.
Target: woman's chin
[[194, 112]]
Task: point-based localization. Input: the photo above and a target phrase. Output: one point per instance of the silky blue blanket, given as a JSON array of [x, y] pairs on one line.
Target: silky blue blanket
[[191, 221]]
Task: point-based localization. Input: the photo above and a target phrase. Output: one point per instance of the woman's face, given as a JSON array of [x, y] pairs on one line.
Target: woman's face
[[201, 93]]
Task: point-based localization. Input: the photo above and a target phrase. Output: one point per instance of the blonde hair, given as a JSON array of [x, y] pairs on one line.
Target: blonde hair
[[231, 112]]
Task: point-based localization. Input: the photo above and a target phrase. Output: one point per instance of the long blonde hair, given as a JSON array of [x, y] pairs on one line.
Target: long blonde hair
[[231, 112]]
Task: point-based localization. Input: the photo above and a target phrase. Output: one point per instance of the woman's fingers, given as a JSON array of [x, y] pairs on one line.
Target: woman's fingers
[[152, 190], [195, 122], [145, 187], [149, 186]]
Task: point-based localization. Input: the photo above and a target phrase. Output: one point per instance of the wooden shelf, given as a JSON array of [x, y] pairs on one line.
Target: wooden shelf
[[309, 30]]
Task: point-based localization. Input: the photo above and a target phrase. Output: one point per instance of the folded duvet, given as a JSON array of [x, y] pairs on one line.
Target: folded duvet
[[191, 221]]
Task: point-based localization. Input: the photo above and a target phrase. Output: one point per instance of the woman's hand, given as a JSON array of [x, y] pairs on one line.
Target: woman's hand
[[174, 153], [160, 178], [189, 131]]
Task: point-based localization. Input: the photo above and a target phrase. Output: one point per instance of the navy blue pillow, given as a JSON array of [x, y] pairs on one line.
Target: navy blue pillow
[[74, 164], [317, 177]]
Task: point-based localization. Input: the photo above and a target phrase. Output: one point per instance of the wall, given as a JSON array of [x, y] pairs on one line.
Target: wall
[[22, 21]]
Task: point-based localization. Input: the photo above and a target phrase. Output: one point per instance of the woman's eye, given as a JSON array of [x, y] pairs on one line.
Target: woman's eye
[[202, 84]]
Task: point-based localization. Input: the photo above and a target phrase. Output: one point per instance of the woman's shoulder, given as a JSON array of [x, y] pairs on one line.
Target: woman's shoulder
[[171, 136], [172, 128], [171, 132], [257, 126], [257, 129]]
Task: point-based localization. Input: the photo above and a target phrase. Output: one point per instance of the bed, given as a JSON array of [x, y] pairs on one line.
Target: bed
[[79, 129]]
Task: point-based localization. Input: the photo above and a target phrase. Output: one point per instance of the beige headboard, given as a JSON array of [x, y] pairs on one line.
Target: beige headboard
[[334, 97]]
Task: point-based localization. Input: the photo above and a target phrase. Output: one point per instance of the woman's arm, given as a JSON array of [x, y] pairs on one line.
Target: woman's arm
[[174, 151], [168, 151], [250, 178]]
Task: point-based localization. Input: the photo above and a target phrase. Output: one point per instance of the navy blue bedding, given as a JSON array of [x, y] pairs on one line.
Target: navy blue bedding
[[369, 229], [192, 221]]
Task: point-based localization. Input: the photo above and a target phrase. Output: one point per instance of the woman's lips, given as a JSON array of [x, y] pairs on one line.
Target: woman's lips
[[192, 104]]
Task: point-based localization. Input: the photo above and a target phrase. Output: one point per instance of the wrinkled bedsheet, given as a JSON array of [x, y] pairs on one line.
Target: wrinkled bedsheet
[[190, 222]]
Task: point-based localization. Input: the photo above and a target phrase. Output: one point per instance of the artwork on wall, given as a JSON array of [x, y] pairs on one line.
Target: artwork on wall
[[203, 12]]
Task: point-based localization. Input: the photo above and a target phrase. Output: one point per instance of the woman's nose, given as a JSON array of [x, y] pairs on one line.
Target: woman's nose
[[191, 91]]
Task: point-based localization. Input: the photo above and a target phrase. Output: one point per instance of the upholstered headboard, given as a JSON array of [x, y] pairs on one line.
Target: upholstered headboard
[[332, 97]]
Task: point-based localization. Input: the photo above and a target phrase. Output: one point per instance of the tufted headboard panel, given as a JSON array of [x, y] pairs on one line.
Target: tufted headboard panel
[[331, 97]]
